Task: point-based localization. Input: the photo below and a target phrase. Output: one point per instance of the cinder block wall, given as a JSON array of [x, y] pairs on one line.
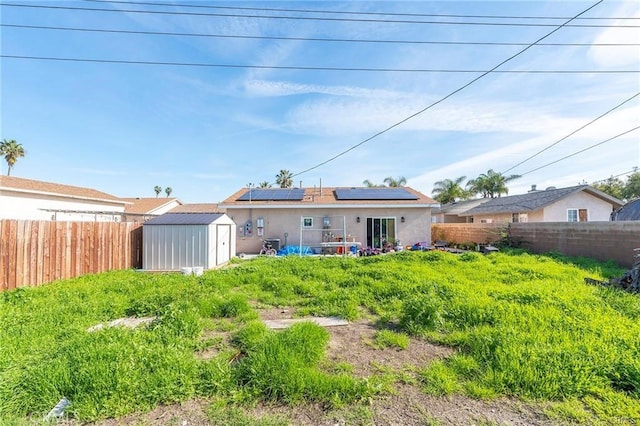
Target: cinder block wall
[[599, 240]]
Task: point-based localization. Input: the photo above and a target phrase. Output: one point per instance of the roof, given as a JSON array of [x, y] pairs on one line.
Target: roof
[[184, 219], [459, 207], [535, 200], [196, 208], [11, 183], [630, 211], [326, 197], [146, 205]]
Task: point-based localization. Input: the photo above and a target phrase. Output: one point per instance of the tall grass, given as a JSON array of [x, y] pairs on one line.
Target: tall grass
[[523, 325]]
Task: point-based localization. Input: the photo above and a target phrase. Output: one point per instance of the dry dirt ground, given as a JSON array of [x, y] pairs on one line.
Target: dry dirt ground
[[407, 406]]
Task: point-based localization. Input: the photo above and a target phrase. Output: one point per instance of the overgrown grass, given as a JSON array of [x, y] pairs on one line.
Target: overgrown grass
[[523, 325]]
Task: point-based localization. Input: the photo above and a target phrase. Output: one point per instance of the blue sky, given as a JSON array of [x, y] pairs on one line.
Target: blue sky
[[207, 131]]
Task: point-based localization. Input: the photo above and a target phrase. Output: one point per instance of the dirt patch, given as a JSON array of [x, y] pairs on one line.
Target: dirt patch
[[352, 344]]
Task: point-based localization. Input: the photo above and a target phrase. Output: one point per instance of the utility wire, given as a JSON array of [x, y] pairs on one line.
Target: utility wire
[[581, 151], [634, 170], [572, 133], [349, 12], [461, 88], [343, 40], [306, 18], [301, 68]]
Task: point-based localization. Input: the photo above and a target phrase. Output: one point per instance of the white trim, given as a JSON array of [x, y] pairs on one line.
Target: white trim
[[577, 210]]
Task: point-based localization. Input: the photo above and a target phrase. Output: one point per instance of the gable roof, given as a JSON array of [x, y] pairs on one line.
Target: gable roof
[[196, 208], [326, 197], [146, 205], [184, 219], [535, 200], [29, 186], [630, 211], [459, 207]]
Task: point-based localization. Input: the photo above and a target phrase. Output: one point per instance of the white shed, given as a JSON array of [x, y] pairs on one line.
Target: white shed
[[178, 240]]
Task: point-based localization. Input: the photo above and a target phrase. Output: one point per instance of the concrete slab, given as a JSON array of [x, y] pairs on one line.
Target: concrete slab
[[321, 321], [130, 322]]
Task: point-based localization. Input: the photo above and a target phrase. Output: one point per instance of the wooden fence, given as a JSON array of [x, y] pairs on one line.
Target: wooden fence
[[37, 252]]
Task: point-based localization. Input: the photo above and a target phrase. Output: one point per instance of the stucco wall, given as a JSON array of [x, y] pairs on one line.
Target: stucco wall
[[277, 222], [17, 206], [598, 210]]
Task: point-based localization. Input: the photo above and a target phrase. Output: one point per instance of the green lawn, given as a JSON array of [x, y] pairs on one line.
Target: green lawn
[[521, 325]]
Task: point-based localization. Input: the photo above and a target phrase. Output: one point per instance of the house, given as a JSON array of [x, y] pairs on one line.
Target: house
[[630, 211], [451, 213], [581, 203], [142, 209], [323, 218], [38, 200], [186, 240], [196, 208]]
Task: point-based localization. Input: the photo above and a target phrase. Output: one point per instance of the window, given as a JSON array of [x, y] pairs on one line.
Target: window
[[519, 217], [515, 217], [577, 215], [307, 222]]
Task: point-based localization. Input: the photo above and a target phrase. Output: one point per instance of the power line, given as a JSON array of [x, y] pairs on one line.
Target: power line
[[461, 88], [353, 13], [306, 18], [302, 68], [634, 170], [318, 39], [572, 133], [581, 151]]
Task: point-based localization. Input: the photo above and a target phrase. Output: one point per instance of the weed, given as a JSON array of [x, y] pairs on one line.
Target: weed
[[391, 339]]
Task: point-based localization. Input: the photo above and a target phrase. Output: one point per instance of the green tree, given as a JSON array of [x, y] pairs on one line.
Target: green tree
[[631, 189], [158, 190], [491, 184], [394, 183], [168, 190], [11, 150], [447, 190], [284, 179], [264, 184], [612, 186]]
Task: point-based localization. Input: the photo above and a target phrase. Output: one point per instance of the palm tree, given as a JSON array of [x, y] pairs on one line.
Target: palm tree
[[11, 150], [394, 183], [447, 191], [491, 184], [168, 191], [284, 179], [158, 190], [264, 184], [369, 184]]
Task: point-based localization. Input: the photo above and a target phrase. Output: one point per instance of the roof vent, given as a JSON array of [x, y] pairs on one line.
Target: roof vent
[[533, 188], [550, 188]]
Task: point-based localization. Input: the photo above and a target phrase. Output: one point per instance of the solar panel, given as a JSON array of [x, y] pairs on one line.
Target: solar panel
[[374, 194], [271, 194]]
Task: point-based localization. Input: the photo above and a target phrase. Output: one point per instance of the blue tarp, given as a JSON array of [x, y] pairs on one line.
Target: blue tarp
[[295, 250]]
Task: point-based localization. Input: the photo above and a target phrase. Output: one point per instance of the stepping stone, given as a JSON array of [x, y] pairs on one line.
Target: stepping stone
[[321, 321], [130, 322]]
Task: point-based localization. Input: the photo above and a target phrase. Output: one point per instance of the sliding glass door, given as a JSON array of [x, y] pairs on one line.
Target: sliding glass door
[[381, 231]]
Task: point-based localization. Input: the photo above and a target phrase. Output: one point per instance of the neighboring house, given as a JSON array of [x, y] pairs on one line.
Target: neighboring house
[[581, 203], [196, 208], [320, 217], [143, 209], [630, 211], [37, 200], [451, 213]]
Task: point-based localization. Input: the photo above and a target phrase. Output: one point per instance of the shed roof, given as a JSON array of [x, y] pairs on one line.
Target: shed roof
[[535, 200], [185, 219], [630, 211]]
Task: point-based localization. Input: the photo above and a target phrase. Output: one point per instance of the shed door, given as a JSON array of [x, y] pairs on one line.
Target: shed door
[[223, 246]]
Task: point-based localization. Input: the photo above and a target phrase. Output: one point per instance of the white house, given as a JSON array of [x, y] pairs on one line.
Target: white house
[[37, 200], [141, 209]]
